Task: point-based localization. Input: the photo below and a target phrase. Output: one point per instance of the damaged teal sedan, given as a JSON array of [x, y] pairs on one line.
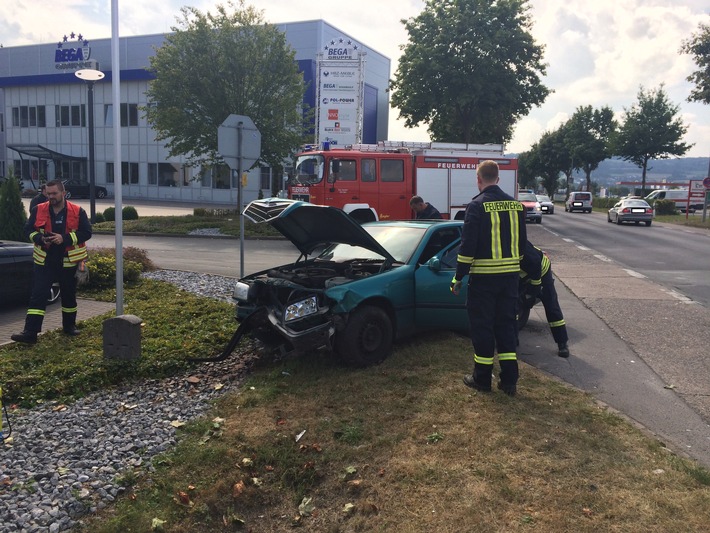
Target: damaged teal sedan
[[355, 289]]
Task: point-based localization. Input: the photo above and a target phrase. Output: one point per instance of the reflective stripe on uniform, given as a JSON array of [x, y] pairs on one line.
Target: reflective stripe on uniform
[[69, 309], [482, 360], [504, 265], [557, 324], [510, 356], [38, 312]]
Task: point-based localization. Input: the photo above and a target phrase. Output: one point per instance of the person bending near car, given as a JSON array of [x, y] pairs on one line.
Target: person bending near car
[[538, 282], [423, 210], [59, 230], [492, 244], [40, 198]]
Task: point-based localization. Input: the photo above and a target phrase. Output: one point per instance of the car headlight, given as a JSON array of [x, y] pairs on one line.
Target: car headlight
[[241, 291], [301, 309]]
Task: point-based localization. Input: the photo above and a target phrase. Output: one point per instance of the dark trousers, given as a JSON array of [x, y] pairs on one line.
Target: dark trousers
[[43, 277], [492, 303], [553, 313]]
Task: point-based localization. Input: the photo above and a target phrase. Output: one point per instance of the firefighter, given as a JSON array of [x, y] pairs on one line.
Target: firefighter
[[492, 244], [424, 210], [538, 282], [40, 198], [59, 231]]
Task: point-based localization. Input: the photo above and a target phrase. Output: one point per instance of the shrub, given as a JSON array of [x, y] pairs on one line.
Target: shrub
[[130, 253], [102, 270], [98, 217], [129, 213], [665, 207], [110, 214], [12, 211], [199, 212], [604, 203]]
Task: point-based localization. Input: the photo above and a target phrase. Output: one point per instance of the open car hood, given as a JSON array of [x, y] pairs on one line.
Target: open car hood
[[308, 225]]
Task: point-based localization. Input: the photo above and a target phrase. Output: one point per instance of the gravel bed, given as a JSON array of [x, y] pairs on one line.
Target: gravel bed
[[206, 231], [66, 461]]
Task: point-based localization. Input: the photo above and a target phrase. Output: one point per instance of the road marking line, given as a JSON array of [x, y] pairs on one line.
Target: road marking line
[[584, 248], [567, 240], [634, 273], [603, 258]]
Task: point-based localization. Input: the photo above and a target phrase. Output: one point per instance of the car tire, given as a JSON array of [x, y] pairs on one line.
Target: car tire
[[608, 218], [523, 315], [100, 194], [367, 337], [618, 221], [54, 293], [67, 194], [538, 220], [648, 223]]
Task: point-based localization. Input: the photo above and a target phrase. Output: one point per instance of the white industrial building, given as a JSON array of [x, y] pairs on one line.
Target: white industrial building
[[44, 118]]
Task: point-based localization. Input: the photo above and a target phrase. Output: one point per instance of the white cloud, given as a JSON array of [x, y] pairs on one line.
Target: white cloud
[[599, 53]]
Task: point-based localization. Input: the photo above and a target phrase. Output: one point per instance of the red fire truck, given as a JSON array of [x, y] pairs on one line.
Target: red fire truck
[[376, 181]]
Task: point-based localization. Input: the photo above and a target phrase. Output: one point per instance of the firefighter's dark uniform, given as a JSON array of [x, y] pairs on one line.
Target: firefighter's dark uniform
[[536, 272], [56, 262], [492, 244]]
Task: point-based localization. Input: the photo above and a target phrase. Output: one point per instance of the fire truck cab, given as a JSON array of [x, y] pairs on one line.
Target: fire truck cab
[[376, 182]]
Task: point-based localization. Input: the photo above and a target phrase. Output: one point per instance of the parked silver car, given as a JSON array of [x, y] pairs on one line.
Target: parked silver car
[[546, 205]]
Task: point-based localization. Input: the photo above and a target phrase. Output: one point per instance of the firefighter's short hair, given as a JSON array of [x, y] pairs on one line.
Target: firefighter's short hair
[[488, 171], [416, 200]]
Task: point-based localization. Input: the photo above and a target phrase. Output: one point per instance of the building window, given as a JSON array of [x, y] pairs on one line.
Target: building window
[[129, 173], [25, 116], [2, 126], [129, 115], [265, 178], [164, 174], [70, 115]]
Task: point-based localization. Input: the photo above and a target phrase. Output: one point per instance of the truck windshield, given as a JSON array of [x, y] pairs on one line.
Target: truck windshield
[[309, 169]]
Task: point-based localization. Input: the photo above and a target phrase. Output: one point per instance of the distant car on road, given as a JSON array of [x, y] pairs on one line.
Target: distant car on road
[[579, 201], [634, 210], [77, 189], [546, 205], [533, 212], [16, 266]]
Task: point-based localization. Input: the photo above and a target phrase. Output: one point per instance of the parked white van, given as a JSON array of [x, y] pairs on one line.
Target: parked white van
[[679, 197]]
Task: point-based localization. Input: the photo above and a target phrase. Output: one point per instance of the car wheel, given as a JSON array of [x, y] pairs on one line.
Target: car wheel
[[618, 221], [67, 194], [54, 293], [538, 220], [367, 337], [523, 315], [100, 193], [648, 223], [608, 218]]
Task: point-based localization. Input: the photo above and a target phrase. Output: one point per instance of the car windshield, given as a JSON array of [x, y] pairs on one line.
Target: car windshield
[[542, 198], [309, 169], [527, 197], [400, 242]]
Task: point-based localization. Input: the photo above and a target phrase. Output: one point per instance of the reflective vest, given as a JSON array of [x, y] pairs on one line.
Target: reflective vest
[[43, 224]]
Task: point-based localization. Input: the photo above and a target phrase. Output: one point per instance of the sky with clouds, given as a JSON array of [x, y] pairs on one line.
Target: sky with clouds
[[598, 53]]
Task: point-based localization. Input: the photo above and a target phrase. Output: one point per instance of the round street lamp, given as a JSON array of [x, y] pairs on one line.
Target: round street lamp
[[91, 76]]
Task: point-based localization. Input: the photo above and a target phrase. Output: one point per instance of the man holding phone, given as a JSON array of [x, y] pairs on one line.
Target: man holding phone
[[59, 230]]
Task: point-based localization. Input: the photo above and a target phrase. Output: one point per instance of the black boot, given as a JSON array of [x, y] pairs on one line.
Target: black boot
[[563, 350], [470, 381], [28, 337], [72, 331]]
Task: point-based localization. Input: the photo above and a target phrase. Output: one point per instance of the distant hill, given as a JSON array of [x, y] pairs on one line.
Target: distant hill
[[663, 170]]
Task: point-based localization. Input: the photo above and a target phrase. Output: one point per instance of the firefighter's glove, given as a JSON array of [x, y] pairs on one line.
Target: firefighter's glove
[[455, 286]]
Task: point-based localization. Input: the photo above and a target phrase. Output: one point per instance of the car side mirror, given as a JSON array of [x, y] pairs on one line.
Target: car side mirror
[[434, 264]]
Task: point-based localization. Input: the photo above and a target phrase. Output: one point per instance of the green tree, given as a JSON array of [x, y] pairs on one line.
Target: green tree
[[699, 47], [552, 158], [471, 69], [588, 138], [214, 65], [651, 129], [12, 211]]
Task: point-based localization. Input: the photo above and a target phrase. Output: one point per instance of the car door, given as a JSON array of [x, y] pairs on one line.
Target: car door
[[436, 306]]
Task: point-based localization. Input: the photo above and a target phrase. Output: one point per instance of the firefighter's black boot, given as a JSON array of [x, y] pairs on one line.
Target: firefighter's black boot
[[563, 350], [470, 381], [69, 324], [510, 389], [28, 337]]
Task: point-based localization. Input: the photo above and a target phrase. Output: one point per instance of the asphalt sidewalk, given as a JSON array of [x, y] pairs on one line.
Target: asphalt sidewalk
[[639, 347]]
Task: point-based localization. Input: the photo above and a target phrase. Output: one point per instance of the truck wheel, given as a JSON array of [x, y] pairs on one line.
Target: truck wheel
[[367, 338]]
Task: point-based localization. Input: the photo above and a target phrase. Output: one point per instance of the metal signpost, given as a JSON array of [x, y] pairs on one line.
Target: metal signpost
[[239, 144]]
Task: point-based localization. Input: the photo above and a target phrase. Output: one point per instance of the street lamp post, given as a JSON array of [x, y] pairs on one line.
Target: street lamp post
[[91, 76]]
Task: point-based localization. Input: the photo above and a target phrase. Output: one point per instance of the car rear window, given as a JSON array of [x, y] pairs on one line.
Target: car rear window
[[582, 196]]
